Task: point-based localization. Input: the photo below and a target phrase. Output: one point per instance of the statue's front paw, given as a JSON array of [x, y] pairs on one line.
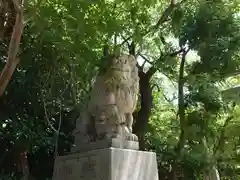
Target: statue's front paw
[[113, 135], [131, 137]]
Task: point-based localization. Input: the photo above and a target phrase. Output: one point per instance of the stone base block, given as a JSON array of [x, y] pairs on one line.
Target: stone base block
[[107, 164], [106, 143]]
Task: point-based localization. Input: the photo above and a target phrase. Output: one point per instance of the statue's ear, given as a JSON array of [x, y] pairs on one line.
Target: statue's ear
[[132, 59]]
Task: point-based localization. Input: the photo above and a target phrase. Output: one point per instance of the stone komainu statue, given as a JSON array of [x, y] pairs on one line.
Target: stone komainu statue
[[112, 101]]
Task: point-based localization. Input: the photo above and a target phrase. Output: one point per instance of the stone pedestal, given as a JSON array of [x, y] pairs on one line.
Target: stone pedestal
[[107, 164], [106, 143]]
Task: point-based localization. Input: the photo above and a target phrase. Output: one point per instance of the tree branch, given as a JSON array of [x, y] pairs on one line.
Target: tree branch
[[47, 116], [221, 137], [176, 53], [181, 107], [164, 18], [132, 48], [12, 59], [166, 14], [146, 60], [153, 69], [58, 131], [125, 40], [18, 5]]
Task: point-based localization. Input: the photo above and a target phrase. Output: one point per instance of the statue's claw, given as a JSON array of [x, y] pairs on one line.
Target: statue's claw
[[131, 137]]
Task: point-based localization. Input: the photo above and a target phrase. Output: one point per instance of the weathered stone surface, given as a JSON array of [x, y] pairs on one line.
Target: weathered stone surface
[[107, 164], [106, 143], [113, 99]]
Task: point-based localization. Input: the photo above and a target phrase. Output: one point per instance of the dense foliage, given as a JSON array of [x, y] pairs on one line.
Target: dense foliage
[[187, 50]]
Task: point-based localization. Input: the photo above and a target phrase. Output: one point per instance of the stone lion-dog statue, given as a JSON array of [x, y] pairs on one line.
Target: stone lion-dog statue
[[113, 99]]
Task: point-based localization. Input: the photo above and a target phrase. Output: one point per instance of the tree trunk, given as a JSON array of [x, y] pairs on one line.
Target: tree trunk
[[181, 107], [6, 76], [173, 173], [12, 59], [24, 166], [181, 111], [212, 175], [206, 176], [141, 125], [215, 174]]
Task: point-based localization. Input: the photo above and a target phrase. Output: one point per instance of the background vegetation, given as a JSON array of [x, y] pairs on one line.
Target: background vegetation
[[188, 54]]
